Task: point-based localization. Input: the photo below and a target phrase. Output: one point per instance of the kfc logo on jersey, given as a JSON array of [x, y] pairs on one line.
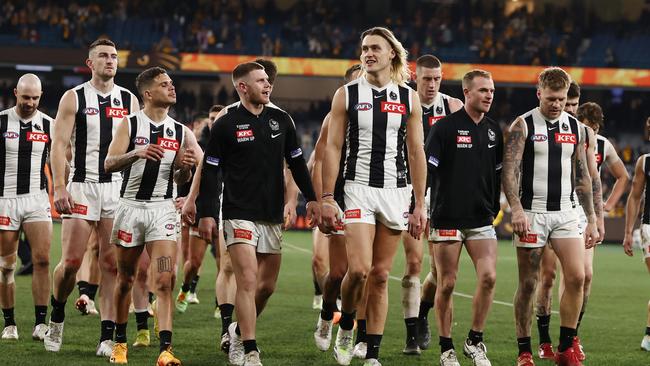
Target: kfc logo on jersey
[[90, 111], [116, 112], [363, 107], [5, 221], [565, 138], [10, 135], [463, 139], [433, 120], [538, 138], [140, 140], [244, 133], [528, 239], [243, 234], [124, 236], [390, 107], [168, 144], [353, 214], [37, 137]]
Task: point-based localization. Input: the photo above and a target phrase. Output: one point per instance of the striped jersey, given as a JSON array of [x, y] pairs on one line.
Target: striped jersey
[[605, 152], [96, 121], [376, 133], [148, 180], [431, 113], [646, 204], [24, 149], [547, 181]]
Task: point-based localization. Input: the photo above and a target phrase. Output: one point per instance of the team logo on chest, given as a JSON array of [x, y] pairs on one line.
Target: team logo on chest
[[438, 110], [491, 135], [116, 102], [392, 95], [169, 132], [275, 126], [463, 140], [390, 107], [565, 127]]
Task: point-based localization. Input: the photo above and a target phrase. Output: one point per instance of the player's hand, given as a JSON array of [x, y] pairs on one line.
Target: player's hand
[[607, 207], [591, 235], [520, 224], [63, 202], [179, 202], [417, 222], [207, 226], [600, 225], [627, 245], [187, 159], [313, 213], [151, 152], [330, 216], [290, 215], [188, 211]]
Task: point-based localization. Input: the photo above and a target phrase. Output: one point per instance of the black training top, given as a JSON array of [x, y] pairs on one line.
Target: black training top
[[250, 151], [464, 160]]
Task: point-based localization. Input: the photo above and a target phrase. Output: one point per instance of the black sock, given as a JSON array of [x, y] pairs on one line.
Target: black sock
[[195, 281], [216, 302], [543, 325], [150, 297], [108, 328], [141, 319], [58, 310], [120, 333], [185, 287], [425, 306], [411, 328], [237, 331], [347, 320], [92, 290], [524, 345], [374, 341], [475, 337], [40, 312], [566, 338], [647, 331], [445, 344], [165, 339], [8, 314], [317, 290], [250, 345], [361, 331], [83, 288], [226, 316], [579, 320], [328, 310]]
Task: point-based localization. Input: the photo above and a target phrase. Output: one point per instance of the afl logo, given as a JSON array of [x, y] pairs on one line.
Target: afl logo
[[170, 226], [140, 140], [91, 111], [363, 107], [10, 135], [538, 138]]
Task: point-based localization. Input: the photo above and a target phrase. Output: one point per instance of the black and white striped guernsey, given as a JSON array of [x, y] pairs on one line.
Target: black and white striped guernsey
[[431, 113], [148, 180], [24, 148], [376, 133], [646, 203], [547, 182], [96, 121], [604, 152]]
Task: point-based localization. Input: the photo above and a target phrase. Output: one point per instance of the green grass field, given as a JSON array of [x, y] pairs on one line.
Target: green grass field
[[612, 328]]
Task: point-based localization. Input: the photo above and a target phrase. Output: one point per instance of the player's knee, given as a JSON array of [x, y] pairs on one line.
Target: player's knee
[[488, 280], [528, 285], [318, 264], [248, 281], [40, 262], [336, 275], [71, 266], [107, 265], [447, 284], [548, 279], [266, 289], [125, 282], [379, 277], [413, 267], [358, 275], [588, 277], [7, 269], [575, 281], [164, 282]]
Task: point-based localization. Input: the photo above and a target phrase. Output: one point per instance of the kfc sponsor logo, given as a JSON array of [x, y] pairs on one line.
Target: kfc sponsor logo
[[390, 107], [37, 137], [353, 214], [140, 140], [116, 112], [168, 144], [10, 135], [447, 232], [244, 133], [80, 209], [538, 138], [124, 236], [90, 111], [565, 138], [463, 139], [599, 158], [363, 107], [528, 239], [243, 234], [5, 221], [433, 120]]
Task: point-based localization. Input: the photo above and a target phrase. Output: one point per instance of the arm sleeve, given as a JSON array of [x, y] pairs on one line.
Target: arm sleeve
[[296, 161], [211, 178]]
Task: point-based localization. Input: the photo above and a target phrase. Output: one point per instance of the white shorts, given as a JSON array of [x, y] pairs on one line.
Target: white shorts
[[645, 240], [582, 219], [265, 237], [94, 201], [367, 205], [137, 223], [23, 209], [478, 233], [549, 225]]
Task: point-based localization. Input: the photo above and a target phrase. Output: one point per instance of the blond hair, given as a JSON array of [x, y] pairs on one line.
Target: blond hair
[[399, 68], [471, 75], [553, 78]]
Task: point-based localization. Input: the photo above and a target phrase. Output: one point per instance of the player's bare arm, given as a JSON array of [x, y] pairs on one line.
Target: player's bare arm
[[62, 133], [291, 191], [319, 155], [618, 171], [187, 159], [417, 167], [596, 185], [455, 105], [633, 202], [583, 189], [331, 159], [514, 150], [118, 159]]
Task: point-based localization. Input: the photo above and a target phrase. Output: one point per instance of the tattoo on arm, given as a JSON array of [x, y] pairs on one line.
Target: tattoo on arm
[[597, 189], [512, 162], [165, 264]]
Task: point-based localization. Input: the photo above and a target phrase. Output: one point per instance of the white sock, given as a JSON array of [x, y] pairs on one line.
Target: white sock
[[410, 296]]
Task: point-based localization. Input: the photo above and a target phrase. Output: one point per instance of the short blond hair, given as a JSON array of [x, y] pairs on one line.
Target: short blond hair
[[471, 75], [553, 78], [399, 67]]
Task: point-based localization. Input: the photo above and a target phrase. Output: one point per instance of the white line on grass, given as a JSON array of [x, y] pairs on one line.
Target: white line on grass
[[459, 294]]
